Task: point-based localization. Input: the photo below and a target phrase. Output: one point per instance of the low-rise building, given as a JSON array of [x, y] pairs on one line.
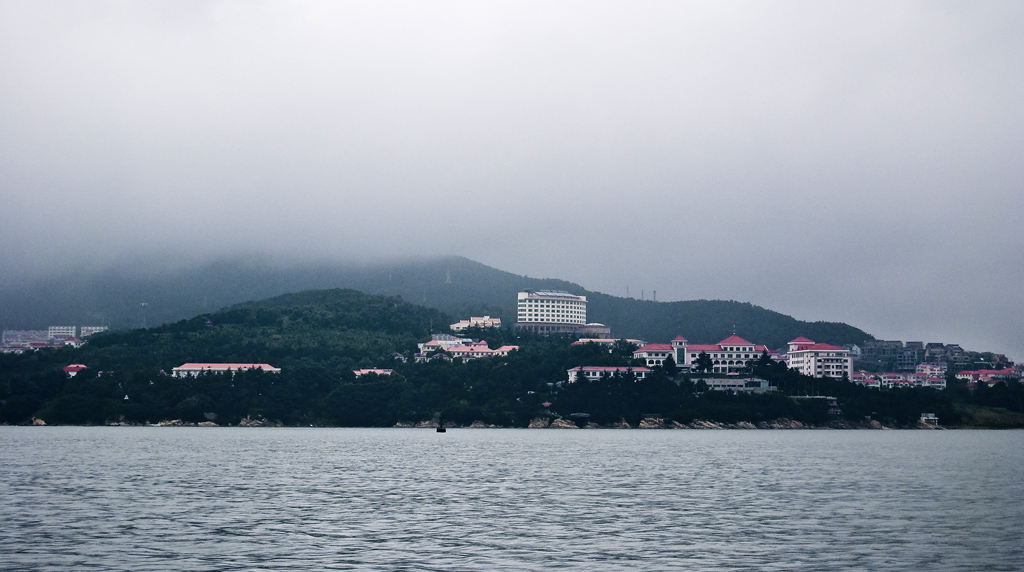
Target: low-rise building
[[608, 341], [889, 380], [90, 330], [989, 377], [472, 350], [731, 355], [594, 372], [932, 368], [463, 348], [194, 369], [476, 322], [736, 384], [73, 369], [655, 354], [441, 342], [503, 351], [374, 370], [73, 342]]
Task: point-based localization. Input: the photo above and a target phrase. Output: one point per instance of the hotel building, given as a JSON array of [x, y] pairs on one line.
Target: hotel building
[[819, 360], [555, 312]]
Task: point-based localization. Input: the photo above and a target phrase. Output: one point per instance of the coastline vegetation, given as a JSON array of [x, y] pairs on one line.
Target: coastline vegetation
[[318, 338]]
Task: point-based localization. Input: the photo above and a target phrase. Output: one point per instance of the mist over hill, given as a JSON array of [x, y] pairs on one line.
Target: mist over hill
[[125, 298]]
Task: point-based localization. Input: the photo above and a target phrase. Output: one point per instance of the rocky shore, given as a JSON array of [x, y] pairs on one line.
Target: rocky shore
[[659, 423], [561, 423]]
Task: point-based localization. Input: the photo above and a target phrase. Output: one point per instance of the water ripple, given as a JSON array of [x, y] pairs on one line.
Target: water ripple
[[405, 499]]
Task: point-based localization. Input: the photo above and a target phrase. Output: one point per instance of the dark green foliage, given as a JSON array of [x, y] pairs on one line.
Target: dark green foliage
[[454, 285], [318, 338]]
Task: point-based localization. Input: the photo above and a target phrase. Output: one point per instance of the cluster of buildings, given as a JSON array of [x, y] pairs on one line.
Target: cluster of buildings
[[902, 357], [729, 358], [989, 377], [735, 355], [476, 322], [20, 341], [891, 380], [449, 347]]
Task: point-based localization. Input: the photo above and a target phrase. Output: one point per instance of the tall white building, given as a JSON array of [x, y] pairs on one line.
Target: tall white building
[[555, 312], [819, 360], [552, 308]]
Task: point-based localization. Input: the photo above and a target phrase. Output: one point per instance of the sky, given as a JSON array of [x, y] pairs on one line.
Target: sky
[[843, 161]]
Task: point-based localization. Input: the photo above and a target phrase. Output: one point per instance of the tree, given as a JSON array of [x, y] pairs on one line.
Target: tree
[[703, 362], [669, 365]]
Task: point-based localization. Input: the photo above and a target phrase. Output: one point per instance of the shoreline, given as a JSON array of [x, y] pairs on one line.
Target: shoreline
[[649, 423]]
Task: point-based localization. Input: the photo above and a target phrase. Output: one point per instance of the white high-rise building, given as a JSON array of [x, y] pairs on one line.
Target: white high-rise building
[[552, 308], [554, 312]]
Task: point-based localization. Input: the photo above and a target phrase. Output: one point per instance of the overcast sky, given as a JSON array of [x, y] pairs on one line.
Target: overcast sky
[[854, 161]]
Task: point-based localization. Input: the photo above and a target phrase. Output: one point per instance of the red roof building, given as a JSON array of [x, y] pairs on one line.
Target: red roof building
[[730, 355], [73, 369], [819, 360]]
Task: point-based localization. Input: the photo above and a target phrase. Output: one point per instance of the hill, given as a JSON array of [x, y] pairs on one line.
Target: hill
[[454, 285], [317, 338]]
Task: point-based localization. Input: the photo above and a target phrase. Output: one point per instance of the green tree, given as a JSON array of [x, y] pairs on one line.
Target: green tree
[[703, 362]]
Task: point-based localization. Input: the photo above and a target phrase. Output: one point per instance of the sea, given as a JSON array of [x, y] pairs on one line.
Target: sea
[[181, 498]]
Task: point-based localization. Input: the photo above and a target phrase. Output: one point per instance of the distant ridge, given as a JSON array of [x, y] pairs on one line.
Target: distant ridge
[[455, 285]]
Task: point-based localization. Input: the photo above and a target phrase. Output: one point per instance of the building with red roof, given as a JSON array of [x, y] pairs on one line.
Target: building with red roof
[[373, 370], [654, 354], [730, 355], [819, 360], [73, 369], [989, 377]]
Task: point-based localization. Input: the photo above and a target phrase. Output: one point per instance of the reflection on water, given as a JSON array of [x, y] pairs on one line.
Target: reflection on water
[[123, 498]]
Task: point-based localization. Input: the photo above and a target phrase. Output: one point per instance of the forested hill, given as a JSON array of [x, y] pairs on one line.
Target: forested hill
[[454, 285], [335, 329]]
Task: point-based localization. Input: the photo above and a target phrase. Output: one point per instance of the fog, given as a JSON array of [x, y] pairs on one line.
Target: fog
[[855, 161]]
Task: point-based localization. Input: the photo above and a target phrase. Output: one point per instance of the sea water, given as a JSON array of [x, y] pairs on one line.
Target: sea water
[[147, 498]]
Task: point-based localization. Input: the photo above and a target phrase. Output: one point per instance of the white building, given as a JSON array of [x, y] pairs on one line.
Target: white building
[[193, 369], [90, 330], [737, 384], [476, 322], [655, 354], [593, 373], [731, 355], [608, 341], [555, 312], [819, 360], [551, 308], [60, 332]]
